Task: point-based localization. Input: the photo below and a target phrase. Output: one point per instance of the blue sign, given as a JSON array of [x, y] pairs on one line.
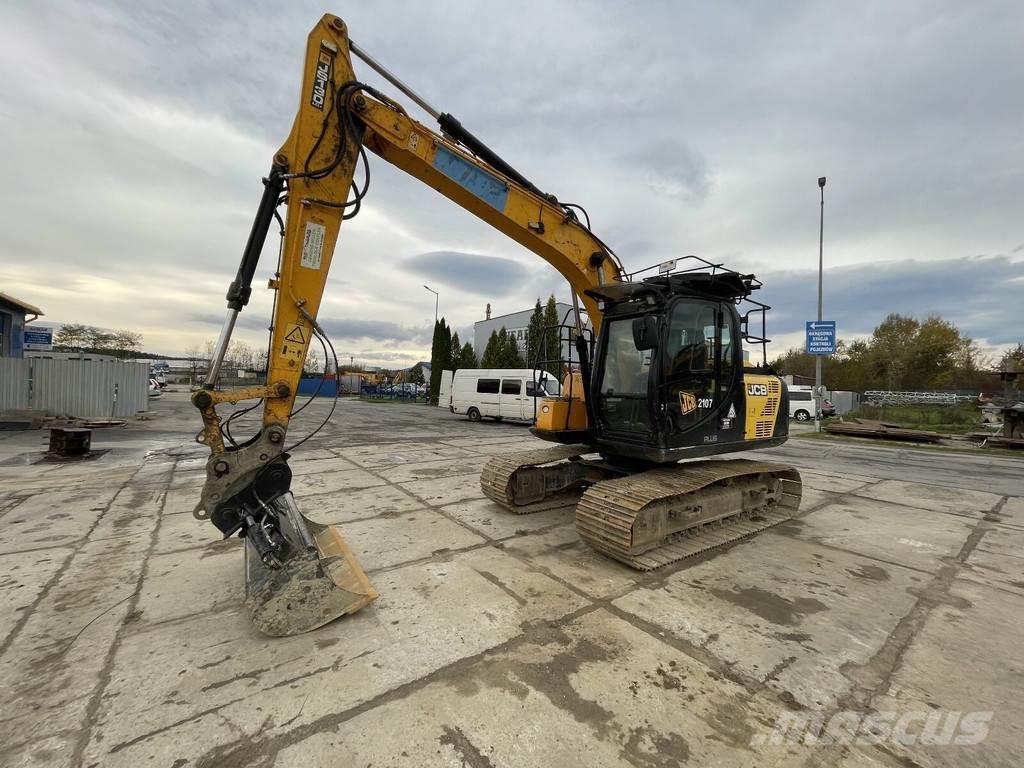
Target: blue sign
[[821, 337], [38, 337]]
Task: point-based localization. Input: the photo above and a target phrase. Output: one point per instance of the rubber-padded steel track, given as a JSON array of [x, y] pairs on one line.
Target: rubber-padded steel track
[[607, 509], [497, 476]]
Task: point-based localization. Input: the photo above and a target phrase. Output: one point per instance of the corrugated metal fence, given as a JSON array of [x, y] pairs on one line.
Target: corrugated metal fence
[[88, 389]]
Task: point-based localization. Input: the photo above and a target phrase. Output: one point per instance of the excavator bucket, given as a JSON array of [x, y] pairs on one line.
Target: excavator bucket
[[313, 579]]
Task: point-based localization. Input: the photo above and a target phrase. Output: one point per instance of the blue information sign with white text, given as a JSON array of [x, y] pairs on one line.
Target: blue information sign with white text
[[821, 337]]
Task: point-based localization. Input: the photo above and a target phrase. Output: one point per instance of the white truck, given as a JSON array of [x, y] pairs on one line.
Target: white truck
[[500, 393]]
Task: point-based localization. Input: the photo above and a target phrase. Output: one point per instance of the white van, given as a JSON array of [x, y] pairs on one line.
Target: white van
[[801, 402], [444, 390], [500, 393]]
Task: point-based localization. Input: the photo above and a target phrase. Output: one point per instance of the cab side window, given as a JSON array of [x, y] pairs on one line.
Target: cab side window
[[692, 339]]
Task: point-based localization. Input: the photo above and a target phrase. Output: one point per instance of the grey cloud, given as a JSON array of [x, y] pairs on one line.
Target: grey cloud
[[336, 328], [250, 321], [705, 137], [376, 330], [980, 294], [483, 275], [672, 168]]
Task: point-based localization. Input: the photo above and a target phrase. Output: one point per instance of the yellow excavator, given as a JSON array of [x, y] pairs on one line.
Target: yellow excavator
[[658, 375]]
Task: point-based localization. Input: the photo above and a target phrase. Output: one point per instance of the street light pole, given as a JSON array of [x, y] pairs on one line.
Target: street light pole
[[817, 358], [436, 297]]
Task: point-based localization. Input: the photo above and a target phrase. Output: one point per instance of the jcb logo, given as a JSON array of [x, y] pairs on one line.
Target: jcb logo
[[323, 70], [760, 390]]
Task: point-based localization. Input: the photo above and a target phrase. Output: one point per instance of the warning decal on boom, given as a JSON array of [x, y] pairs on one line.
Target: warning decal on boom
[[294, 342]]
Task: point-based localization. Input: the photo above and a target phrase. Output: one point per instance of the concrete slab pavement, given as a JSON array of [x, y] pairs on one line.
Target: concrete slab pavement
[[498, 640]]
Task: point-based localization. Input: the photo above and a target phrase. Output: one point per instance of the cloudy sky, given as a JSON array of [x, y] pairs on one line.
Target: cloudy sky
[[136, 134]]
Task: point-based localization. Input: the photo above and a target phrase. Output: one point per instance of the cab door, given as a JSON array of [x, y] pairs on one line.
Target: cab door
[[623, 386], [700, 362]]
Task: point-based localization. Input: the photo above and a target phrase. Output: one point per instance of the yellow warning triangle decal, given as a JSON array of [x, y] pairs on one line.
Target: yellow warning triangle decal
[[295, 335]]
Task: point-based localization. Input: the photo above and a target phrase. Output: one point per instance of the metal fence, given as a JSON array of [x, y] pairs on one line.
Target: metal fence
[[844, 401], [87, 389], [880, 397]]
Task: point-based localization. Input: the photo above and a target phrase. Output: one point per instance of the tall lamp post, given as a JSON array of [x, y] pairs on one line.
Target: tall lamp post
[[817, 358], [437, 296]]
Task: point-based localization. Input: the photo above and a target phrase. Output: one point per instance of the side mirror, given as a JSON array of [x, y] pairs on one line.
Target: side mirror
[[645, 332]]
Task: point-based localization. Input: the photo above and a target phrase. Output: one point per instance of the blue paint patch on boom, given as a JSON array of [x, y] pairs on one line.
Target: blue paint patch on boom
[[484, 185]]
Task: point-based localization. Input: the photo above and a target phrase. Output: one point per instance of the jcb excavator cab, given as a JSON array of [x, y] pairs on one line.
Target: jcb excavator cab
[[668, 379]]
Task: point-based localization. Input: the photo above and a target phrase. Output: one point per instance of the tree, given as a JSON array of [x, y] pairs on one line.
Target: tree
[[1013, 359], [242, 356], [467, 357], [490, 358], [534, 335], [891, 344], [77, 337], [440, 356], [416, 374], [74, 336], [260, 361], [510, 357], [501, 350], [313, 365], [552, 345], [194, 357], [453, 354], [123, 342], [902, 354]]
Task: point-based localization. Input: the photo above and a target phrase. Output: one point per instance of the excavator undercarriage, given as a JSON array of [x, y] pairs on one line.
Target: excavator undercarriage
[[649, 518]]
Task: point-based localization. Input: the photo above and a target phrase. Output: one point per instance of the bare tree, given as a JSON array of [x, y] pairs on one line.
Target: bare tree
[[73, 336], [194, 355], [123, 342]]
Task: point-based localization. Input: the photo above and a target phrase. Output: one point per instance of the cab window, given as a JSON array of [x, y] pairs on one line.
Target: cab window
[[626, 368], [700, 365]]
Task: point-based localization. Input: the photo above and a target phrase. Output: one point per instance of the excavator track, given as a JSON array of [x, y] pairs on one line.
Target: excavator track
[[663, 515], [517, 483]]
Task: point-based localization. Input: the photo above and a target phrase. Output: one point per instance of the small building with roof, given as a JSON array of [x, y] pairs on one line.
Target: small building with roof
[[14, 313]]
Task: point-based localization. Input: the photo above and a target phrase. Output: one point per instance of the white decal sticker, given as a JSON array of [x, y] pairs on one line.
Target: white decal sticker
[[732, 411], [313, 245]]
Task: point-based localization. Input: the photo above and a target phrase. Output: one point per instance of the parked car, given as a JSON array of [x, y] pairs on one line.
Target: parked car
[[155, 390], [801, 402]]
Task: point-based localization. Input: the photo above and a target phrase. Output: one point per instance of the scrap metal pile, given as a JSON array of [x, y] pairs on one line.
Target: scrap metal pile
[[1012, 433]]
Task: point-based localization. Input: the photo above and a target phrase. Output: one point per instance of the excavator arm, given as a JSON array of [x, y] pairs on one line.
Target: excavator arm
[[314, 172]]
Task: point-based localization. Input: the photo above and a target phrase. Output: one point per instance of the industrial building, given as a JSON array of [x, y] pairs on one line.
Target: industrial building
[[515, 323], [13, 314]]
